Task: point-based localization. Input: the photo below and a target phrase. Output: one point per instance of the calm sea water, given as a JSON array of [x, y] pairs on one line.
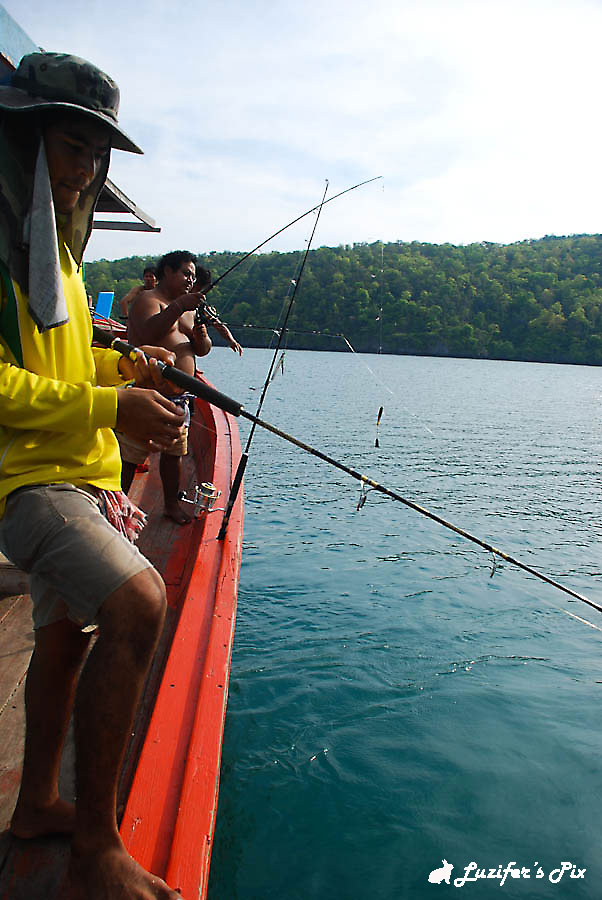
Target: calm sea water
[[391, 704]]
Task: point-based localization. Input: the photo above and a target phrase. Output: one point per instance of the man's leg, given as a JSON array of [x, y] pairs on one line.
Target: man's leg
[[128, 470], [133, 454], [110, 685], [49, 692], [170, 468]]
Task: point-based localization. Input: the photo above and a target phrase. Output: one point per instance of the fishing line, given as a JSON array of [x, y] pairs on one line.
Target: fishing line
[[230, 301], [228, 404], [342, 337], [573, 615], [387, 388], [245, 455], [196, 424], [279, 330], [381, 288], [561, 609]]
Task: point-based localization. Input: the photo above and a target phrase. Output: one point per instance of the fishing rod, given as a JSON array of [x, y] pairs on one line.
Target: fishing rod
[[206, 314], [242, 465], [228, 404], [290, 224]]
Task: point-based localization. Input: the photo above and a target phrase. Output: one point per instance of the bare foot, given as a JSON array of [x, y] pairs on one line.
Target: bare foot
[[176, 513], [112, 874], [57, 818]]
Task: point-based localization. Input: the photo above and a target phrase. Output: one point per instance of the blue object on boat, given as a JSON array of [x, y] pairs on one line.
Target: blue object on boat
[[104, 304]]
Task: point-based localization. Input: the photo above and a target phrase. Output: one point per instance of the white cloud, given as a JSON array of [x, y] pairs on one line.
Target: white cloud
[[481, 115]]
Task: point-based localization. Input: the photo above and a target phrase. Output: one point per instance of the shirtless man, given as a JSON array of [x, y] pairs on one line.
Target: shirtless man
[[167, 312], [149, 277]]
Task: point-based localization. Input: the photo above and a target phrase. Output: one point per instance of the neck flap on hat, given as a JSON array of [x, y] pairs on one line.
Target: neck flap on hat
[[47, 305], [28, 227]]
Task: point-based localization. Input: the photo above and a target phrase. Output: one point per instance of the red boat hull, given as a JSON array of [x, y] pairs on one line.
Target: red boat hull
[[170, 814], [170, 780]]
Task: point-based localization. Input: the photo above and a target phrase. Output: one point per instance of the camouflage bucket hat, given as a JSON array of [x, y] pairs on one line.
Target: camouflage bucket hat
[[62, 81]]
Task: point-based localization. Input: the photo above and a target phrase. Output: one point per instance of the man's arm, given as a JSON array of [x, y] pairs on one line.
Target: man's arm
[[124, 303], [35, 402], [222, 328], [201, 342], [225, 332]]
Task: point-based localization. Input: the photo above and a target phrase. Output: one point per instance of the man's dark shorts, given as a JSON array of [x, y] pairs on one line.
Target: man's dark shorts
[[75, 559]]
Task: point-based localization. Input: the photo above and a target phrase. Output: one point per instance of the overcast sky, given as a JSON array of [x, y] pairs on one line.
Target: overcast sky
[[483, 117]]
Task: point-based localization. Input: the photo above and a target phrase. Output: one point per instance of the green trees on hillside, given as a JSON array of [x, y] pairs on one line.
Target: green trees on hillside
[[534, 300]]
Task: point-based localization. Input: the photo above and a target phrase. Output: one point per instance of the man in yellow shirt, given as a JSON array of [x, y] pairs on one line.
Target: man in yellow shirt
[[59, 463]]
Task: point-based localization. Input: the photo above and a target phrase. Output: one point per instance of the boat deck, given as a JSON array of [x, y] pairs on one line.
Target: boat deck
[[35, 869]]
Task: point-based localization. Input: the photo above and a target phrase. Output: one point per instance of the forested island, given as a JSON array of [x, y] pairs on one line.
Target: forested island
[[536, 300]]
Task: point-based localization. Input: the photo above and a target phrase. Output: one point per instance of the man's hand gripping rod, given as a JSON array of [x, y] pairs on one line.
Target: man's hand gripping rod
[[170, 373]]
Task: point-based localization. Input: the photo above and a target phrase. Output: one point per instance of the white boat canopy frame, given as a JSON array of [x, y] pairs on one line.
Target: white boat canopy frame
[[113, 200]]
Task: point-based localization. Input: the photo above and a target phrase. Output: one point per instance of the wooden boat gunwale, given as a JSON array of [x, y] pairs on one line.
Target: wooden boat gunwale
[[169, 818]]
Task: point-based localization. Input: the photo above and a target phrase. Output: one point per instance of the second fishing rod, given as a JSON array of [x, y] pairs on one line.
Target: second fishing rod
[[206, 392], [204, 312], [240, 471]]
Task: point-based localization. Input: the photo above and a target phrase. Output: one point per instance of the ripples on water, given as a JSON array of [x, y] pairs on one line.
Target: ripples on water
[[391, 704]]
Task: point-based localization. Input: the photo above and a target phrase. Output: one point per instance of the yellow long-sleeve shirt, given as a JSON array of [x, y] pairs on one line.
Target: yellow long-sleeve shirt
[[58, 400]]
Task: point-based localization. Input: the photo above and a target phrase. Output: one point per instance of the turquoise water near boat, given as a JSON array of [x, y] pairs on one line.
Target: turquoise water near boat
[[393, 703]]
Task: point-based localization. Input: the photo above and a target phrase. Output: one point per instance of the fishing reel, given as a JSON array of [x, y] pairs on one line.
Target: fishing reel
[[204, 499], [205, 315]]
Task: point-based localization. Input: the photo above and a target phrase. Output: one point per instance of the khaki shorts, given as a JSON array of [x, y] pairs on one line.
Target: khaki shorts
[[74, 557]]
